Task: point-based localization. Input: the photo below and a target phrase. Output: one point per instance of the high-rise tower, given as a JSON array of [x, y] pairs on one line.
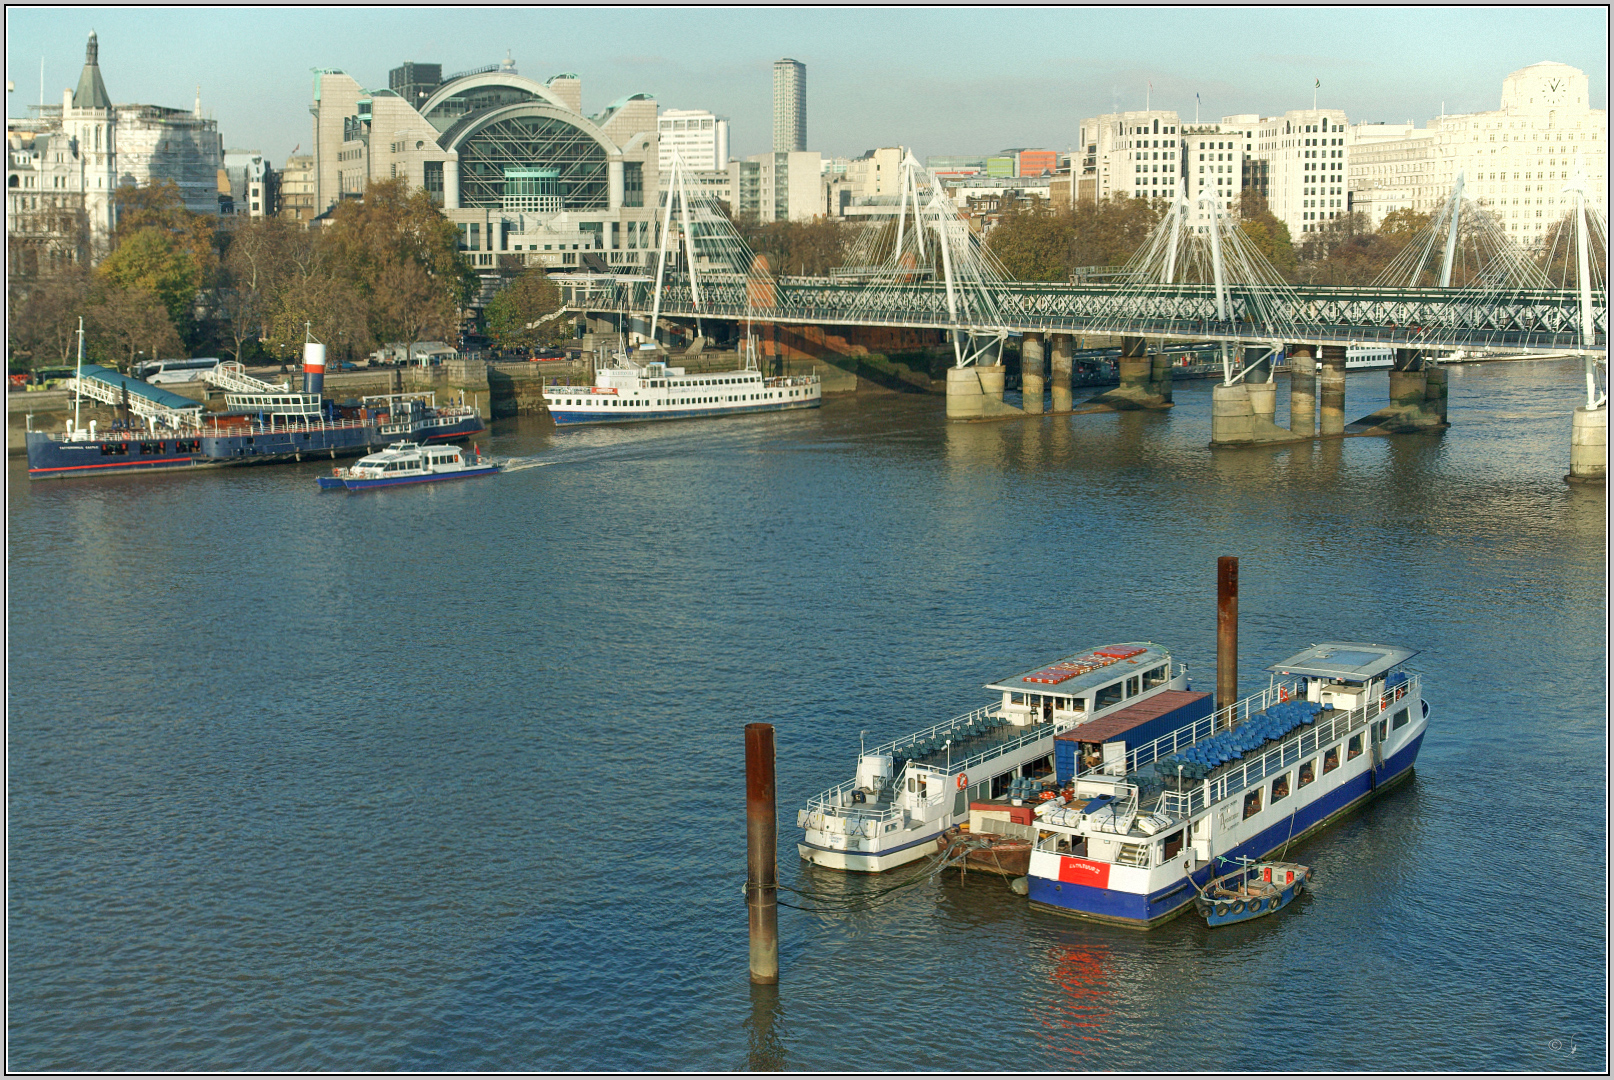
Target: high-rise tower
[[789, 105]]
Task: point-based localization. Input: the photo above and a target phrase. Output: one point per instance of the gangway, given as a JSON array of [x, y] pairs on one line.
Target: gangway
[[155, 405], [230, 375]]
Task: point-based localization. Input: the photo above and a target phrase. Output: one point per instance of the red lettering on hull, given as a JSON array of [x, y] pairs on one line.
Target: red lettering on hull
[[1084, 872]]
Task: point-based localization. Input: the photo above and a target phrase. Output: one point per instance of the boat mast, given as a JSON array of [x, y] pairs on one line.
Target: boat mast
[[78, 373]]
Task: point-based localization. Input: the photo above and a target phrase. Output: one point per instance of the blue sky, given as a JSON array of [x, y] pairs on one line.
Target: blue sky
[[941, 80]]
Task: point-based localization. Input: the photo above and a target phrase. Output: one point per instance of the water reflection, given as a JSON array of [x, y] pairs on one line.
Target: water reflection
[[765, 1030]]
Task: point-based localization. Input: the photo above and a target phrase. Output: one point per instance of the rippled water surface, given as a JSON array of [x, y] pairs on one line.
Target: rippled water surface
[[452, 778]]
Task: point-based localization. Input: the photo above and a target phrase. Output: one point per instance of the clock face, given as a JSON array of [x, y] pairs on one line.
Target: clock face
[[1554, 91]]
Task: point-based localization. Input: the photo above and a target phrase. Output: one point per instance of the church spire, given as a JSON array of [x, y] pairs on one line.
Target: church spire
[[91, 92]]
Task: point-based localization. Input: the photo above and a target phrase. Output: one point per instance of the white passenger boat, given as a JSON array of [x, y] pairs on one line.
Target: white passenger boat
[[408, 463], [650, 389], [1359, 357], [910, 790], [1339, 724]]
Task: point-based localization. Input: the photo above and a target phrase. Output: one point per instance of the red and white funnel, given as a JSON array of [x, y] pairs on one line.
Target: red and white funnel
[[313, 367]]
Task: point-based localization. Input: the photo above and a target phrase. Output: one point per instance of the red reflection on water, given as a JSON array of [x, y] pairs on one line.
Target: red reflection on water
[[1079, 1010]]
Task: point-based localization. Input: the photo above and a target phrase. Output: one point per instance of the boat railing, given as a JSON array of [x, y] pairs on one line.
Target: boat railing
[[1220, 720], [837, 800], [1316, 736]]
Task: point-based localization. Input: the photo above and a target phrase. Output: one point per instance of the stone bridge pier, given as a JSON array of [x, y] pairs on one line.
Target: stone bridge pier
[[1588, 446], [1417, 397], [1031, 368], [1062, 365]]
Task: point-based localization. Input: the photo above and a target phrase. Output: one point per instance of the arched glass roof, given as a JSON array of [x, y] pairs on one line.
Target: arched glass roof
[[531, 137]]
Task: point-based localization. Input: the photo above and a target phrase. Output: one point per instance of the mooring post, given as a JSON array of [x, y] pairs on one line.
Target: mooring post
[[761, 837], [1227, 634]]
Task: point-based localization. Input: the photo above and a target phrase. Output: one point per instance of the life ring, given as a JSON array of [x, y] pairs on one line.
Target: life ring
[[963, 781], [1283, 694], [1384, 703]]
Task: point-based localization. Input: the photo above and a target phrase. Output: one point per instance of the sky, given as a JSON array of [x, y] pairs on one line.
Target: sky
[[939, 80]]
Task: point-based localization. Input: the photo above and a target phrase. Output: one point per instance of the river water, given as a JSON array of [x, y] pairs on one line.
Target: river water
[[452, 777]]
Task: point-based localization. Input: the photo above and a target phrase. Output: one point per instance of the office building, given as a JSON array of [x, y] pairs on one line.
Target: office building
[[1299, 161], [297, 188], [789, 106], [700, 138], [1515, 160], [1135, 153]]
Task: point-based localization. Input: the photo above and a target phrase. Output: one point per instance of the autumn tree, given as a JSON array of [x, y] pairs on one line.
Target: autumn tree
[[42, 319], [404, 258], [1034, 245], [122, 324], [516, 316], [154, 260], [1267, 234]]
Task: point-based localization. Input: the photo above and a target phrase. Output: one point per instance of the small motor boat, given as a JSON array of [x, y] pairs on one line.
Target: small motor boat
[[1253, 890]]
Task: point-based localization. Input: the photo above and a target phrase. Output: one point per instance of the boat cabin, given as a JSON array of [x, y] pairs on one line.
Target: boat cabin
[[1345, 675], [1070, 691]]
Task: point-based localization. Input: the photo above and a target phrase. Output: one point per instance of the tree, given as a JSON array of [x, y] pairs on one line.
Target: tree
[[257, 263], [409, 304], [392, 222], [1034, 245], [515, 316], [159, 205], [42, 319], [154, 260], [122, 323], [1267, 234]]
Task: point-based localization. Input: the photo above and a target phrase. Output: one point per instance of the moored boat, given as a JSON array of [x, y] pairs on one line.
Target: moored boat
[[1339, 724], [910, 790], [407, 463], [1253, 890]]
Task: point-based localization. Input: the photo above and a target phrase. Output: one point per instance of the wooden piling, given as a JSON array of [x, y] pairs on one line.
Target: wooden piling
[[762, 864], [1227, 632]]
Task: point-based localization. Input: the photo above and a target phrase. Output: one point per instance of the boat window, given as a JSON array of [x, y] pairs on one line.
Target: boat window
[[1379, 731], [1355, 747], [1001, 785], [1156, 676], [1280, 788], [1107, 696], [1132, 688], [1331, 759], [1172, 845], [1399, 720], [1308, 772], [1252, 803]]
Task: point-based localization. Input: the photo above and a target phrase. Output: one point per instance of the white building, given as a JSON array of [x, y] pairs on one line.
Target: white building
[[1130, 153], [1515, 161], [699, 137], [1214, 161], [1299, 162], [789, 186]]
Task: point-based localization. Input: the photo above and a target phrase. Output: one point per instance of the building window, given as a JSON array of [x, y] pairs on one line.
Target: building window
[[632, 183], [434, 180]]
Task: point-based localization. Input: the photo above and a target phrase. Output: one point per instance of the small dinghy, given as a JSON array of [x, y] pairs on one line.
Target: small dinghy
[[1255, 889]]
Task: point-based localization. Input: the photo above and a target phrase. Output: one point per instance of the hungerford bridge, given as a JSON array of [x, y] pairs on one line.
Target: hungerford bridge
[[1460, 284]]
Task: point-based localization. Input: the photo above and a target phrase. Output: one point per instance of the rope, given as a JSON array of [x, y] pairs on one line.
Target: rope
[[953, 855]]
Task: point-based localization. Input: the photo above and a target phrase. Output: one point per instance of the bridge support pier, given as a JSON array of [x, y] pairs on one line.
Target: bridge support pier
[[1588, 446], [1416, 398], [974, 392], [1061, 363], [1235, 422], [1331, 413], [1160, 377], [1263, 394], [1137, 389], [1302, 390], [1031, 366], [1434, 395]]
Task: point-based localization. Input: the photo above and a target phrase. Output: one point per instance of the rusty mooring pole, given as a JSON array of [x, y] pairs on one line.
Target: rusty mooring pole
[[761, 859], [1227, 633]]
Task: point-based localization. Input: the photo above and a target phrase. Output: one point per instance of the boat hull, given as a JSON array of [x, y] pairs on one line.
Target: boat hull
[[359, 484], [51, 456], [571, 417], [1099, 902], [869, 862]]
